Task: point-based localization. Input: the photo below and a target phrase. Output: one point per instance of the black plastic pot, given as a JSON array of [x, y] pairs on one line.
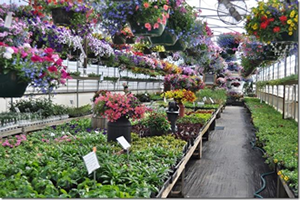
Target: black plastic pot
[[11, 86], [61, 17], [121, 127]]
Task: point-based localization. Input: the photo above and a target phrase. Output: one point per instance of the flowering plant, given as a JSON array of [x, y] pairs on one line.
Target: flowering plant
[[42, 68], [18, 33], [230, 40], [150, 14], [181, 95], [115, 106], [270, 19], [177, 81], [83, 11]]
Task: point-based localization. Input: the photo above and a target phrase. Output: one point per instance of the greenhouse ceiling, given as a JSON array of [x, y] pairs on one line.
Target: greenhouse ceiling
[[209, 14]]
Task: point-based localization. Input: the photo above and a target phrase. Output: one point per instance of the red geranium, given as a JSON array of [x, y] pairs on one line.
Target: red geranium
[[264, 25], [283, 19], [276, 29]]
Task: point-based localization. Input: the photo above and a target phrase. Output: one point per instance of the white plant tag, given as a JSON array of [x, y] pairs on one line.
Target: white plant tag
[[123, 142], [212, 101], [91, 162]]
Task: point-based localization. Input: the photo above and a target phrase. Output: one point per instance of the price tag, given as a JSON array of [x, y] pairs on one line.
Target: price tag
[[91, 162], [8, 20], [17, 110], [123, 142], [212, 101]]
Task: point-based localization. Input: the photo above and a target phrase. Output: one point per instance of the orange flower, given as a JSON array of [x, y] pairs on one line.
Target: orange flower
[[146, 5]]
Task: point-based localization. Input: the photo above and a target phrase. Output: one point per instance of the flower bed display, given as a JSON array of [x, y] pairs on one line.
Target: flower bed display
[[279, 138], [48, 164]]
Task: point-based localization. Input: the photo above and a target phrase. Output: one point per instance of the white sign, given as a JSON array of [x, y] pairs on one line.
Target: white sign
[[204, 99], [200, 103], [212, 101], [123, 142], [91, 162], [8, 20]]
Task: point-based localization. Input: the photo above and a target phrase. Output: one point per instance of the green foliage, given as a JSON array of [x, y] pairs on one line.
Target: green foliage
[[195, 118], [49, 164], [279, 137], [43, 107], [80, 111], [218, 95], [292, 79], [157, 122]]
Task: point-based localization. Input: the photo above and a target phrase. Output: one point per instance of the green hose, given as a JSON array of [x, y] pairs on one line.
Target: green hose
[[256, 194]]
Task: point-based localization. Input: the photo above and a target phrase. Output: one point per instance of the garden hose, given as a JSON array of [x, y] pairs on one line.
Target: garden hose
[[256, 193]]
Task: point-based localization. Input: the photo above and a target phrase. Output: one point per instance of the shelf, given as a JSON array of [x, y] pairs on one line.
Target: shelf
[[85, 78]]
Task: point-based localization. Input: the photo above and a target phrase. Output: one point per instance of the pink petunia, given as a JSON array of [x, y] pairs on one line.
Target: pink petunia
[[146, 5], [48, 50], [156, 25], [36, 58], [148, 26], [166, 7]]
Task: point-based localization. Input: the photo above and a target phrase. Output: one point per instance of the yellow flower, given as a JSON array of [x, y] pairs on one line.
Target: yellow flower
[[292, 24], [292, 14], [261, 8], [255, 26], [279, 173], [269, 42], [290, 28], [290, 33], [281, 176], [286, 178], [268, 12], [262, 12], [248, 17], [275, 161], [296, 19], [289, 21]]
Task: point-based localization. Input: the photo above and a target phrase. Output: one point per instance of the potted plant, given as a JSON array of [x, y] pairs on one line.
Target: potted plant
[[69, 13], [40, 68], [273, 21], [157, 123], [181, 96], [124, 36], [148, 18], [98, 121], [118, 108], [230, 41]]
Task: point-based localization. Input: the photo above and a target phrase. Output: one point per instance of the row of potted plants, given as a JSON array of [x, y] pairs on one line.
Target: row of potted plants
[[42, 173], [289, 80], [279, 138]]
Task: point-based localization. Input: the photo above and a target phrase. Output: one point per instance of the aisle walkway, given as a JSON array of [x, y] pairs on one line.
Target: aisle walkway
[[229, 167]]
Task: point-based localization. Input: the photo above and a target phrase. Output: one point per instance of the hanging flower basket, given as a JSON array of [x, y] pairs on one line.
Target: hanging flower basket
[[130, 40], [11, 86], [178, 46], [285, 37], [61, 17], [167, 39], [139, 30], [119, 39]]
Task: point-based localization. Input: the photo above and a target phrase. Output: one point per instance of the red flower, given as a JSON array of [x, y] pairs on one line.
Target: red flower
[[283, 19], [36, 58], [48, 50], [52, 69], [264, 25], [276, 29], [271, 20], [263, 18]]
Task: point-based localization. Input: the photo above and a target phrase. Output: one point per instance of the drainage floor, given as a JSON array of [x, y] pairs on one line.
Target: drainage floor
[[229, 167]]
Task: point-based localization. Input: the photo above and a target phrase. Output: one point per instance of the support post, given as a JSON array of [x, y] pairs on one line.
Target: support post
[[283, 108]]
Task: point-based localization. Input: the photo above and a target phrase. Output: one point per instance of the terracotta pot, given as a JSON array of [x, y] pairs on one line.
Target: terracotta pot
[[181, 110]]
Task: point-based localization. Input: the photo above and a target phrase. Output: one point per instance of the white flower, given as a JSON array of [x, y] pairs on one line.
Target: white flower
[[7, 55], [26, 45], [9, 50]]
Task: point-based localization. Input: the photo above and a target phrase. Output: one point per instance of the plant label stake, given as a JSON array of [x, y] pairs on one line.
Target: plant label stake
[[204, 99], [17, 110], [125, 145], [212, 101], [8, 20], [91, 162]]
